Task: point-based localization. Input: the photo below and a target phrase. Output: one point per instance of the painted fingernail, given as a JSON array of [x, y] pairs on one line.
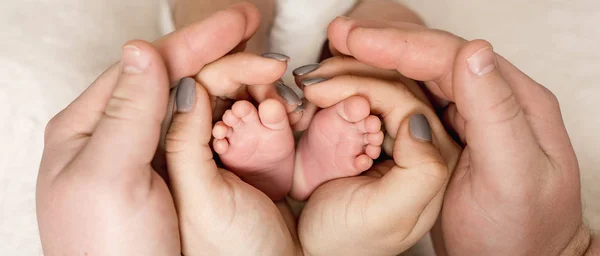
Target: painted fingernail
[[186, 95], [134, 60], [299, 109], [312, 81], [288, 94], [277, 56], [482, 62], [419, 127], [302, 106], [305, 69]]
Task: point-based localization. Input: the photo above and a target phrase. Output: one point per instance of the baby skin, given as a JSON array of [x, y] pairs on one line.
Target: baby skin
[[257, 144]]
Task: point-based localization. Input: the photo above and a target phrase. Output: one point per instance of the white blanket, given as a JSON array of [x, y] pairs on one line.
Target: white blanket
[[51, 50]]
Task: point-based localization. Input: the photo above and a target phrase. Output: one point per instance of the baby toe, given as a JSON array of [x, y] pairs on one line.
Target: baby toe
[[221, 130], [353, 109], [373, 151], [273, 115], [245, 111], [372, 124], [231, 119], [363, 162], [220, 146], [375, 139]]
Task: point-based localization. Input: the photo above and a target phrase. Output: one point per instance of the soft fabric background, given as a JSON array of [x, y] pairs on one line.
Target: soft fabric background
[[51, 50]]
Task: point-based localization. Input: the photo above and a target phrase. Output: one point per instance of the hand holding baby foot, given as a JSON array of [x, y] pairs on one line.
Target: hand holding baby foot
[[215, 206], [398, 200], [266, 162]]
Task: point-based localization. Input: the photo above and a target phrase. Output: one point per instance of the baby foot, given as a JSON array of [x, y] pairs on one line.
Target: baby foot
[[341, 141], [258, 146]]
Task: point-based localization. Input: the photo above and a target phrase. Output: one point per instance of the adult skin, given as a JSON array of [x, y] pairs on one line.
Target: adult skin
[[97, 192], [516, 188]]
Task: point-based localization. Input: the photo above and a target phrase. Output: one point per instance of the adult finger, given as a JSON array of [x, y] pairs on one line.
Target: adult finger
[[189, 157], [229, 76], [79, 119], [388, 99], [454, 121], [428, 55], [416, 52], [542, 111], [341, 65], [244, 76], [127, 134], [184, 53], [420, 171], [187, 50]]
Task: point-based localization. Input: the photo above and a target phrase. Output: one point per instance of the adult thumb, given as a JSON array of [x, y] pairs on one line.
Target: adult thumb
[[416, 185], [496, 128], [127, 134], [192, 169]]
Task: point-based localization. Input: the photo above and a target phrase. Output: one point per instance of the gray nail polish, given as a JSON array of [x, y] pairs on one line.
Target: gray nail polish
[[305, 69], [287, 93], [171, 109], [299, 108], [419, 127], [311, 81], [186, 95], [277, 56]]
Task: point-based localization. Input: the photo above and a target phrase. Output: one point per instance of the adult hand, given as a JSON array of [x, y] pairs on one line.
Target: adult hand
[[216, 208], [219, 214], [393, 205], [97, 193], [516, 188]]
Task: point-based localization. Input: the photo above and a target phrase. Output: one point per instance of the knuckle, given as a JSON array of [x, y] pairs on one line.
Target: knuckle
[[552, 99], [122, 108], [175, 140], [52, 127], [505, 109], [434, 171]]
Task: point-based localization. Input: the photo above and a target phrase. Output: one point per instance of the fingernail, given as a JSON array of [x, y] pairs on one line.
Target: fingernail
[[482, 62], [186, 95], [305, 69], [311, 81], [277, 56], [288, 94], [419, 127], [302, 106], [299, 109], [134, 61]]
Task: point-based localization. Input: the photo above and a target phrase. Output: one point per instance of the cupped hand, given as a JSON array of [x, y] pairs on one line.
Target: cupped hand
[[393, 205], [97, 193], [219, 213], [516, 188]]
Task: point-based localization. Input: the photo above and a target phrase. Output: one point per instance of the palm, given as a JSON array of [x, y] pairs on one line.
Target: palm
[[480, 201], [128, 211], [235, 213], [353, 209]]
